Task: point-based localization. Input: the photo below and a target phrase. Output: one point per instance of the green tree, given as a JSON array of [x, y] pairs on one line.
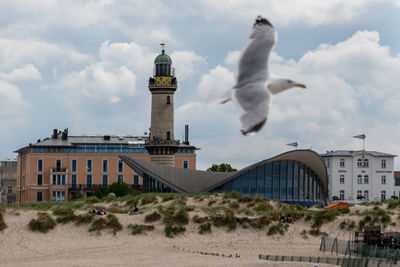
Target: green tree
[[223, 167], [120, 189]]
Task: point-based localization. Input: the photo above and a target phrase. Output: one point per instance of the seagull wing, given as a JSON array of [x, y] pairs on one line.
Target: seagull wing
[[250, 92]]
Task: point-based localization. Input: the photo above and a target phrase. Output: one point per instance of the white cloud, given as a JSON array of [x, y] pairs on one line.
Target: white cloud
[[11, 102], [232, 57], [186, 63], [26, 73], [95, 81], [216, 82], [14, 53]]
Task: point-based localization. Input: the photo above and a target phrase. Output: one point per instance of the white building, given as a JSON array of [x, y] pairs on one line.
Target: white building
[[360, 173]]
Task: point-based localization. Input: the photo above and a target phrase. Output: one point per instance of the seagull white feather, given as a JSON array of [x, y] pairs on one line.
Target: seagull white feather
[[252, 92]]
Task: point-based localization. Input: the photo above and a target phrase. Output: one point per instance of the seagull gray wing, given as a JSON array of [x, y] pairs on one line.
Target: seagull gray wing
[[250, 92]]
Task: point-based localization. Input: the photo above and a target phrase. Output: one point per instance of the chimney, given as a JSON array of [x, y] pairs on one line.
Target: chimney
[[55, 134], [186, 134], [64, 135]]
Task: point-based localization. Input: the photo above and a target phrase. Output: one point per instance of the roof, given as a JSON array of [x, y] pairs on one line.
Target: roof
[[351, 153], [182, 180], [163, 58], [194, 181], [91, 139]]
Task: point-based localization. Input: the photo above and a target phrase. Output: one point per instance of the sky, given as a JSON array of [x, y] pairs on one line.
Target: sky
[[85, 65]]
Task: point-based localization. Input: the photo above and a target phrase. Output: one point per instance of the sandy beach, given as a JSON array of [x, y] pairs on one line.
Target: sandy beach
[[72, 245]]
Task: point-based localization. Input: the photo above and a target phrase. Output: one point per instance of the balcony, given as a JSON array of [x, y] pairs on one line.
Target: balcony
[[59, 170], [84, 186]]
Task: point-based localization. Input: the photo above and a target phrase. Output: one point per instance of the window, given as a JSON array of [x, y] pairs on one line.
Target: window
[[9, 189], [54, 180], [397, 182], [168, 136], [383, 179], [39, 196], [383, 164], [342, 179], [135, 179], [58, 164], [359, 193], [328, 163], [73, 179], [383, 195], [359, 163], [168, 99], [359, 179], [63, 179], [40, 165], [366, 179], [105, 165], [39, 179], [185, 164], [366, 163], [89, 179], [120, 178], [89, 165], [366, 195], [73, 165], [341, 163], [341, 195], [120, 166], [105, 179], [63, 196]]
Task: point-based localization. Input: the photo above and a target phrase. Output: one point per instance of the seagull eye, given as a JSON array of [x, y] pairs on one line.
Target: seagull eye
[[290, 81]]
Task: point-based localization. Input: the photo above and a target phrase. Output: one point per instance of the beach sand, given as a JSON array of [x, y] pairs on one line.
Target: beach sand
[[71, 245]]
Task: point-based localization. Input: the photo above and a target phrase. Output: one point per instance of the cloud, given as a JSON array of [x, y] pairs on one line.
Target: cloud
[[15, 53], [351, 89], [216, 82], [11, 102], [186, 63], [95, 81], [26, 73]]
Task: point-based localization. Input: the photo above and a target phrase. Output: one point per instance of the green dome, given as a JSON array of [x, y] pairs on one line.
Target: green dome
[[163, 58]]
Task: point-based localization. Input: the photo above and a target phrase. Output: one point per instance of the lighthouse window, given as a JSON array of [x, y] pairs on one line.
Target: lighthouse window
[[168, 99], [168, 135]]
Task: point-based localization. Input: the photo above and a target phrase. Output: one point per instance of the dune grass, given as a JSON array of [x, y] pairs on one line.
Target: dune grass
[[109, 222], [2, 223], [43, 223], [137, 229]]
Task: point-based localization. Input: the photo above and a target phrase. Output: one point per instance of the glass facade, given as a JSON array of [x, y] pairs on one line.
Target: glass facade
[[285, 180], [288, 181]]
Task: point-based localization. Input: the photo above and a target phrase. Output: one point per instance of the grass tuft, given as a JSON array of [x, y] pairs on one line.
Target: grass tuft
[[43, 223], [173, 230], [205, 228], [278, 228], [110, 222], [152, 217], [140, 228], [228, 219]]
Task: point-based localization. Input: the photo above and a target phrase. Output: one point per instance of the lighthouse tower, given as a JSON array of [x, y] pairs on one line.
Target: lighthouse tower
[[162, 145]]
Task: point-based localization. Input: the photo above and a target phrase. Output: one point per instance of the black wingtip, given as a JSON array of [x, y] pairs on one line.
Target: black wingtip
[[260, 20], [254, 129]]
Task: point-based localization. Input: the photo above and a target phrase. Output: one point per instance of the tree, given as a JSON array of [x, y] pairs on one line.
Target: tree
[[223, 167], [335, 198], [360, 197], [119, 188]]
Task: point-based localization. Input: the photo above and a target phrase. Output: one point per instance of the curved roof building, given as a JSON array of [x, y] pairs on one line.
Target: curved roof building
[[297, 176]]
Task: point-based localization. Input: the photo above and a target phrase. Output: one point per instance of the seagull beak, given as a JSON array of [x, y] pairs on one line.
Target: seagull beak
[[301, 85]]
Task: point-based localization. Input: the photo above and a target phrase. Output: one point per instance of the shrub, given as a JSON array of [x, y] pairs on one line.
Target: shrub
[[2, 223], [211, 202], [84, 218], [152, 217], [168, 196], [111, 222], [323, 216], [171, 216], [205, 228], [171, 230], [198, 219], [93, 200], [228, 219], [232, 195], [251, 204], [147, 199], [278, 228], [101, 192], [263, 207], [43, 223], [119, 188], [140, 228], [62, 210], [245, 199], [234, 205]]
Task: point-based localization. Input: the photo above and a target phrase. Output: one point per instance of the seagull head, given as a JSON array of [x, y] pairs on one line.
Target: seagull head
[[262, 21], [279, 85]]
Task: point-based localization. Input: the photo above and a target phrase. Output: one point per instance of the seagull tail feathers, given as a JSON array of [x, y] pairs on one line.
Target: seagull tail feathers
[[251, 123]]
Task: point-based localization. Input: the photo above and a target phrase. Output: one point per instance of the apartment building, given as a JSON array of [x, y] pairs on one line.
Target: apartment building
[[8, 180], [359, 176]]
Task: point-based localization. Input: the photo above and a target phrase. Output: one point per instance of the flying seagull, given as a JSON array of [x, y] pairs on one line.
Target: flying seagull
[[252, 92]]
